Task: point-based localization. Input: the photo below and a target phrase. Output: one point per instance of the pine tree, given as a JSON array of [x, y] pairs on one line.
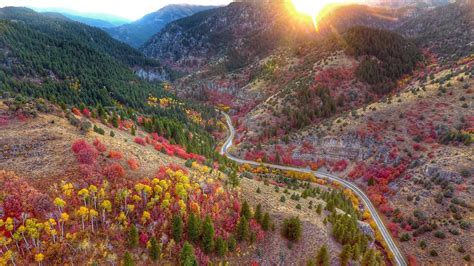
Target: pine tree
[[345, 255], [231, 243], [221, 247], [194, 228], [128, 260], [355, 253], [177, 228], [369, 258], [115, 122], [323, 256], [243, 229], [154, 250], [187, 257], [292, 228], [245, 211], [133, 237], [208, 235], [258, 214], [319, 209], [266, 221]]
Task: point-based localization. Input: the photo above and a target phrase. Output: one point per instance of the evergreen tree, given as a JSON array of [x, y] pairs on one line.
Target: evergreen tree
[[133, 236], [221, 247], [323, 256], [231, 243], [319, 209], [292, 228], [154, 250], [208, 235], [355, 253], [177, 228], [258, 214], [245, 211], [133, 131], [266, 221], [370, 258], [128, 260], [194, 227], [243, 230], [115, 122], [345, 255], [187, 257]]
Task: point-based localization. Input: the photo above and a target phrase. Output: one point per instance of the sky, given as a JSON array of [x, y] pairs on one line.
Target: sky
[[130, 9]]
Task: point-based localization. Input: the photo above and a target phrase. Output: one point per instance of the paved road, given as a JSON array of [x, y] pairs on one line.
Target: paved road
[[398, 257]]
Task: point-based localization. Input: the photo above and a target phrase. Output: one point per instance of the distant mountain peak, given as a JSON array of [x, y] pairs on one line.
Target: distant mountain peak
[[138, 32]]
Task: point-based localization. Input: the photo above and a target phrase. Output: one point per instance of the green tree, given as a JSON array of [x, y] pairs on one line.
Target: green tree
[[266, 221], [243, 230], [133, 236], [231, 243], [245, 211], [177, 228], [208, 235], [323, 256], [154, 250], [128, 260], [194, 227], [345, 255], [258, 214], [319, 209], [187, 257], [221, 247], [292, 228], [115, 122]]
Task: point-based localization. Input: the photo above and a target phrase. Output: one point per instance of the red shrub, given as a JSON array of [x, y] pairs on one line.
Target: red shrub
[[86, 112], [140, 141], [79, 145], [114, 171], [99, 145], [76, 111], [133, 164], [115, 155], [87, 155]]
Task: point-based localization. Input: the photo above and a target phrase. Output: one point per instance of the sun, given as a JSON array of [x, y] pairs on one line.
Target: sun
[[316, 9]]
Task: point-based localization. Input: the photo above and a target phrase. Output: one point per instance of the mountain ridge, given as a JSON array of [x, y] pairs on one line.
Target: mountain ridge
[[138, 32]]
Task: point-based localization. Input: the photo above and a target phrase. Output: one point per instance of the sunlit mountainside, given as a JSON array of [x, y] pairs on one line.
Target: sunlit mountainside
[[254, 133]]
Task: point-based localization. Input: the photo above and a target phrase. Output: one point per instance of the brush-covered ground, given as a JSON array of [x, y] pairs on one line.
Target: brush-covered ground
[[77, 189]]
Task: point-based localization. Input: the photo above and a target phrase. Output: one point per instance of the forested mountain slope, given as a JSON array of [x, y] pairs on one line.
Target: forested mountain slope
[[52, 57], [447, 31], [138, 32], [234, 36]]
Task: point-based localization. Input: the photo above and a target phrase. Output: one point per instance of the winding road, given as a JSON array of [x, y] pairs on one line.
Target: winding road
[[398, 257]]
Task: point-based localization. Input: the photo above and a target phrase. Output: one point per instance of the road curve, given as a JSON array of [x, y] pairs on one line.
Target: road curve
[[398, 257]]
